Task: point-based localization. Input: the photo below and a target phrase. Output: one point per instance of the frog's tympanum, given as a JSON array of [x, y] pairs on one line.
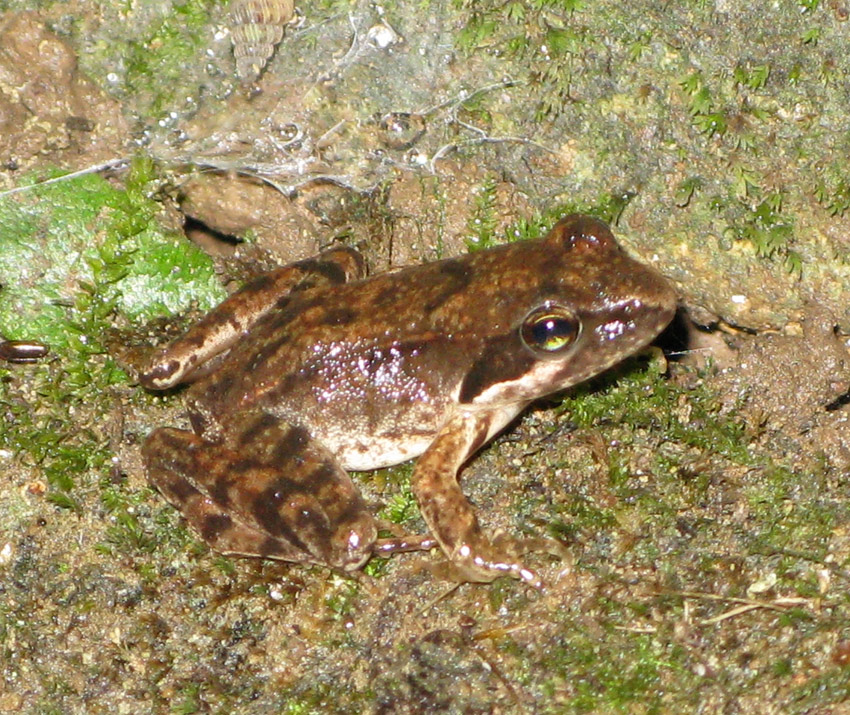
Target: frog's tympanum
[[312, 370]]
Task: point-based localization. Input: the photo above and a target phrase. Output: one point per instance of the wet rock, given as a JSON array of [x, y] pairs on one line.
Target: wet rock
[[47, 107]]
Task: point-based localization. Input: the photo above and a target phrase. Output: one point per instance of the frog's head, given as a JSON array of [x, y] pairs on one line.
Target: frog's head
[[585, 305]]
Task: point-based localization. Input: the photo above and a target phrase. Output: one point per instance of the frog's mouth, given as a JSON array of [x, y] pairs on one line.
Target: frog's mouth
[[607, 342]]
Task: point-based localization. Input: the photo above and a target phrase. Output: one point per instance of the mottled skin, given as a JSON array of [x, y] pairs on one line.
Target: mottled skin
[[317, 371]]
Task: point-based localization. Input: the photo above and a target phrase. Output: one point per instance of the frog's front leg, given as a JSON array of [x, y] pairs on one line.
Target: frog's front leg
[[184, 358], [273, 492], [448, 513]]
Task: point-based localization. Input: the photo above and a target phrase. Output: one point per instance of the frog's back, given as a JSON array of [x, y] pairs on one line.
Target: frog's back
[[404, 347], [410, 331]]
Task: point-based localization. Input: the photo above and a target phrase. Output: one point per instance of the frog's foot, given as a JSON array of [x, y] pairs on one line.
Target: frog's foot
[[480, 560], [448, 513], [403, 544], [501, 557], [287, 500], [488, 560]]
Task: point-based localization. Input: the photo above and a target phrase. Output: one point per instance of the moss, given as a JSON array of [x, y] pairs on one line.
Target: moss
[[833, 193], [536, 33], [89, 250], [483, 221], [401, 506], [77, 255], [738, 106], [629, 675], [342, 598], [791, 514], [50, 440], [821, 691], [157, 67]]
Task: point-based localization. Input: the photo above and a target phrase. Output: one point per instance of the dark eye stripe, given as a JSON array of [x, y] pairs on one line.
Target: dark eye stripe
[[502, 360]]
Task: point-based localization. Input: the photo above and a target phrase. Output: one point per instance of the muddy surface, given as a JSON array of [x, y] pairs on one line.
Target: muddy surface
[[706, 509], [50, 113]]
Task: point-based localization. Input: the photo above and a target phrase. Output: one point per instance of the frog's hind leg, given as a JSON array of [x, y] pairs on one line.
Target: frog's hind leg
[[217, 527], [280, 495], [184, 359]]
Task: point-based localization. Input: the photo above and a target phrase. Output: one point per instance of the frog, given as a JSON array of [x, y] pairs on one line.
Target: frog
[[315, 370]]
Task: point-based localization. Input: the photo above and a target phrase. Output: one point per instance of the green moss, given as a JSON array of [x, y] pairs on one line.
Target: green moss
[[686, 189], [628, 675], [583, 515], [324, 697], [766, 227], [401, 506], [705, 114], [158, 65], [539, 35], [188, 700], [77, 251], [791, 516], [702, 425], [78, 254], [822, 690], [754, 77], [52, 440], [482, 221], [342, 598], [834, 193]]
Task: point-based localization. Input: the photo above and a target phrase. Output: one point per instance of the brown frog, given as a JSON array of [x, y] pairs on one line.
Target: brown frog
[[312, 370]]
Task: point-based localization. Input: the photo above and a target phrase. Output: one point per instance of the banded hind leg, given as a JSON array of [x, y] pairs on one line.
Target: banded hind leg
[[273, 492]]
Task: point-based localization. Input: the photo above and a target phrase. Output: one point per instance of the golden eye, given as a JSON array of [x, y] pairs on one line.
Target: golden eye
[[550, 329]]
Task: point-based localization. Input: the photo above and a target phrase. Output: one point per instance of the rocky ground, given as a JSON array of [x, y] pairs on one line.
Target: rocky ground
[[703, 499]]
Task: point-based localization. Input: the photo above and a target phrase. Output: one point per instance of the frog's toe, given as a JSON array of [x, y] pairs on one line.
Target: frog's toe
[[484, 561], [478, 572]]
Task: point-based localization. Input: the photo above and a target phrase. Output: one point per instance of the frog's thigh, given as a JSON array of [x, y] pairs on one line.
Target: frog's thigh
[[287, 499], [448, 513], [215, 525], [219, 330]]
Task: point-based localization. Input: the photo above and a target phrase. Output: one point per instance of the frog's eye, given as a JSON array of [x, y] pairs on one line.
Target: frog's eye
[[550, 329]]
